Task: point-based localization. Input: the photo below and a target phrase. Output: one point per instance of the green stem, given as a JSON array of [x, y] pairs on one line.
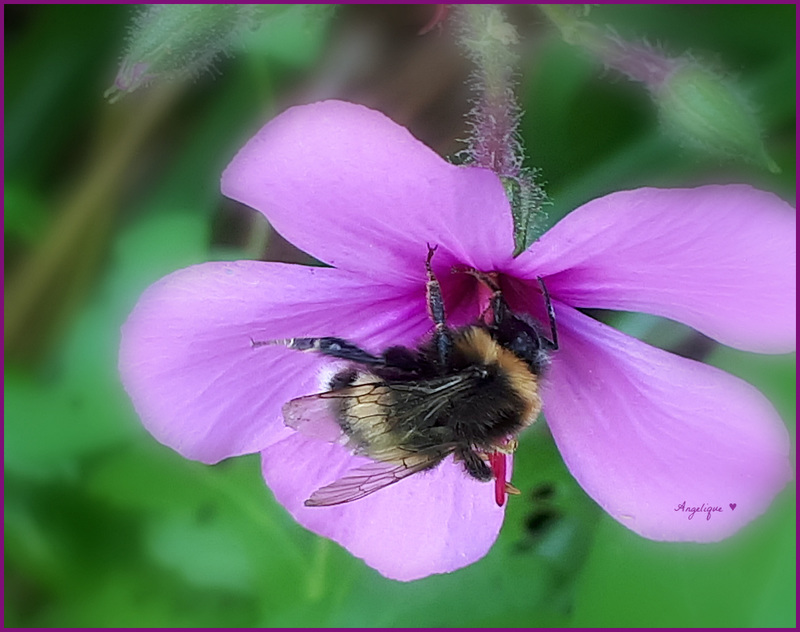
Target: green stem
[[488, 39]]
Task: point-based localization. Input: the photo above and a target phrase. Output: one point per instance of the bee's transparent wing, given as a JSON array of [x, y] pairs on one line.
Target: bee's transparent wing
[[313, 416], [371, 477], [361, 405], [365, 409]]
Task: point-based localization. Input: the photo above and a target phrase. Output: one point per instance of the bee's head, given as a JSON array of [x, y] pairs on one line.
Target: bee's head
[[519, 334]]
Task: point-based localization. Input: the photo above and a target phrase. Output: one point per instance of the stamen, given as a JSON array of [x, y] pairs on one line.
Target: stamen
[[486, 289]]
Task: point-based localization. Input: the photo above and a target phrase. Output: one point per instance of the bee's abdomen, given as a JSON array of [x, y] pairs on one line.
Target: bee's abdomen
[[364, 414]]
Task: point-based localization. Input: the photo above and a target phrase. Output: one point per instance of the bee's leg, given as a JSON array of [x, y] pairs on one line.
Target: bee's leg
[[332, 347], [442, 337], [552, 344], [474, 465]]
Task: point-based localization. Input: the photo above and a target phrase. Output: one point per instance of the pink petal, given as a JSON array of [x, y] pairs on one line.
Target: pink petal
[[718, 258], [644, 431], [432, 522], [186, 358], [354, 189]]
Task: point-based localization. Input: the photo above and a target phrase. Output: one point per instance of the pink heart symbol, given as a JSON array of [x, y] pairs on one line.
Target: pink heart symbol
[[732, 506]]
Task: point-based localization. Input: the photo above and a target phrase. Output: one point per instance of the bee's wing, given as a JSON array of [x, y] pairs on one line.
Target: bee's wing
[[370, 477], [364, 409], [313, 417], [365, 415]]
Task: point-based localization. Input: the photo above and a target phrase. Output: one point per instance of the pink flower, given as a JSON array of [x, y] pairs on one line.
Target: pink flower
[[641, 430]]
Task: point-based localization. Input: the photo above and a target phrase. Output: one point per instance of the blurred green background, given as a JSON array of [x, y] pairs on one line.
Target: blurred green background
[[104, 527]]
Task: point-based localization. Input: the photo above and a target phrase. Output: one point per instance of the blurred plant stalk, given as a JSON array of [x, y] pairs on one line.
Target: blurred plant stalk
[[51, 280], [494, 142]]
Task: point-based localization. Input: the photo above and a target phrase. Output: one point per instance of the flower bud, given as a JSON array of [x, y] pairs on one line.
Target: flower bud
[[705, 111], [489, 40], [697, 105], [171, 41]]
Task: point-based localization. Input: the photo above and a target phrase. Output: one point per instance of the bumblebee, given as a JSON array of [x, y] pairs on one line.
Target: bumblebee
[[467, 391]]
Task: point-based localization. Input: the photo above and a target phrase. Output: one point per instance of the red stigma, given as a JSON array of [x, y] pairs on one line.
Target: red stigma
[[497, 460]]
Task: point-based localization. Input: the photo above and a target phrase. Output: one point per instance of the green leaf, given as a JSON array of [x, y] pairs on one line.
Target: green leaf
[[50, 424], [526, 199], [53, 60], [159, 243], [294, 37], [24, 217], [129, 598], [233, 528], [206, 553]]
